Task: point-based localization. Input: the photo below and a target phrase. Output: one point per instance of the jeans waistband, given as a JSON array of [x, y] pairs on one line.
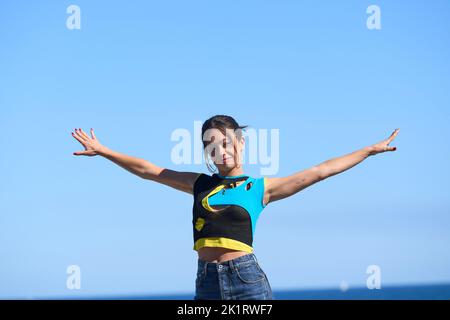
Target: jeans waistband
[[247, 258]]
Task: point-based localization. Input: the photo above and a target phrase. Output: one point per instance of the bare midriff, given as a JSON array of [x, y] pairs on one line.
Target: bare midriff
[[218, 254]]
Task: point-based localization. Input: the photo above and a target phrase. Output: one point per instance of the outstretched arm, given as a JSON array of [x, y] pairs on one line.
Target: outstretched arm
[[279, 188], [183, 181]]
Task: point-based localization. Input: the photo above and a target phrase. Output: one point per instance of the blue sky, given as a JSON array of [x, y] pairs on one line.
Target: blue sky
[[136, 72]]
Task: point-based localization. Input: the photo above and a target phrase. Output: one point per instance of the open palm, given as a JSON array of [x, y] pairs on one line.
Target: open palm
[[384, 146], [90, 144]]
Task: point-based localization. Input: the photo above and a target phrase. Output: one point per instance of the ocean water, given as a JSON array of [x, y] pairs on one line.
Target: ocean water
[[410, 292]]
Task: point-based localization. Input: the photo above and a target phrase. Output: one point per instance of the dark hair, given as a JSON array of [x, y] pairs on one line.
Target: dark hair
[[221, 122]]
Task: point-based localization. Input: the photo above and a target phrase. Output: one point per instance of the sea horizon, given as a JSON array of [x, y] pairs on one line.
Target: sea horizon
[[439, 291]]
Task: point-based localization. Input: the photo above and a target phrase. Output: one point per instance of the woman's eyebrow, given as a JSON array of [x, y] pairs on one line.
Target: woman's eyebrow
[[223, 140]]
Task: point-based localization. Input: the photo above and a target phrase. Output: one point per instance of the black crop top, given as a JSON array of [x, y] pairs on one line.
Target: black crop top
[[225, 211]]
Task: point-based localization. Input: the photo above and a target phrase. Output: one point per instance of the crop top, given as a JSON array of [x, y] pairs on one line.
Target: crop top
[[225, 211]]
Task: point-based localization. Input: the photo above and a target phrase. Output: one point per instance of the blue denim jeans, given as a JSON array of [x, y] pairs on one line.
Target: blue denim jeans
[[238, 279]]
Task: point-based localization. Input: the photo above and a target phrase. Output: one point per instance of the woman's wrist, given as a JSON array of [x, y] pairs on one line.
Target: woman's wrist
[[103, 151], [369, 150]]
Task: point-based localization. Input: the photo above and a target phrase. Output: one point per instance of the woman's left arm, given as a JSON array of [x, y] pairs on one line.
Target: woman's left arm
[[280, 188]]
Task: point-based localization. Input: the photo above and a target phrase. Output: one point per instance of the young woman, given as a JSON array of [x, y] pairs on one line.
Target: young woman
[[227, 204]]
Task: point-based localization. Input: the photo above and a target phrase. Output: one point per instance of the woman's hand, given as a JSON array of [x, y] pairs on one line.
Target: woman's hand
[[91, 145], [383, 146]]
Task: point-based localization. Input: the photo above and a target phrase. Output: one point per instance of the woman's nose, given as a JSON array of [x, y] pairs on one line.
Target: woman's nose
[[221, 150]]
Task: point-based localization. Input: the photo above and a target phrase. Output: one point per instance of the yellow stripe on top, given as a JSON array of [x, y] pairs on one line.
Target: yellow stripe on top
[[222, 242], [205, 202]]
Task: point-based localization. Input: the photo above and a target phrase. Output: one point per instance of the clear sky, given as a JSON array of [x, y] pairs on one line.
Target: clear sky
[[137, 71]]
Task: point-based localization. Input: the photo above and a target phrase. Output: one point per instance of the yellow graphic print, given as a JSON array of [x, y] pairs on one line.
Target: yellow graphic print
[[199, 224], [205, 202]]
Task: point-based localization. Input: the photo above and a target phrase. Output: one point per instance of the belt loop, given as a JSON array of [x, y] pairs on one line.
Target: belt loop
[[231, 266], [205, 267], [254, 258]]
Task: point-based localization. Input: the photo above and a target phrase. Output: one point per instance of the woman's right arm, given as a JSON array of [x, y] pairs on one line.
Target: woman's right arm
[[183, 181], [280, 188]]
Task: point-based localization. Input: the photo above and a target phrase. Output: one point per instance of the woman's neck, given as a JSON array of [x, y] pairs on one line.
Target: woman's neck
[[231, 173]]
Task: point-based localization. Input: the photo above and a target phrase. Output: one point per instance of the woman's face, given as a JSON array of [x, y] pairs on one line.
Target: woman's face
[[221, 148]]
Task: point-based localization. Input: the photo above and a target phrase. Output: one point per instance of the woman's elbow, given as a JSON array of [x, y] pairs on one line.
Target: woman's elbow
[[318, 173]]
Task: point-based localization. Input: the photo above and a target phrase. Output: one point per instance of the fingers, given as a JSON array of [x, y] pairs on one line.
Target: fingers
[[93, 135], [393, 135], [79, 135], [83, 134], [76, 136], [82, 137], [389, 148]]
